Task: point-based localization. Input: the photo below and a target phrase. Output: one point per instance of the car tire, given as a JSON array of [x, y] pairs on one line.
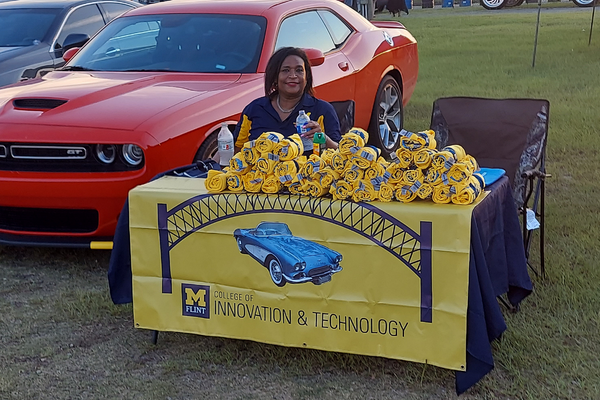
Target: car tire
[[387, 117], [513, 3], [583, 3], [274, 267], [208, 148], [493, 4]]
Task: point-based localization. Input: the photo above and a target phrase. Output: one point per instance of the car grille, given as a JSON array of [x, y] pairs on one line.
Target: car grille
[[48, 220], [319, 271], [48, 157]]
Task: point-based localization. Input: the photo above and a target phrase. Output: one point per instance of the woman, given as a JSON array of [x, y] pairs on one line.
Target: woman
[[288, 89]]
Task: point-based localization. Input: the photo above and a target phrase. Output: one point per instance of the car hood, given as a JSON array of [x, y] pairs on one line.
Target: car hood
[[8, 54], [301, 248], [13, 51], [109, 100]]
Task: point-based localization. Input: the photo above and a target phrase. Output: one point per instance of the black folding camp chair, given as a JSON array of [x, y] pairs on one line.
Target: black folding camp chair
[[503, 133]]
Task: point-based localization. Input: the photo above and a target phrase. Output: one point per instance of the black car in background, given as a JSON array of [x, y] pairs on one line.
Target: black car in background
[[35, 33]]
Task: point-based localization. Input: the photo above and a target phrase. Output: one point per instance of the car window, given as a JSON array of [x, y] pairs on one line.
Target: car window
[[86, 20], [273, 228], [338, 29], [113, 10], [177, 42], [25, 27], [305, 30], [134, 37]]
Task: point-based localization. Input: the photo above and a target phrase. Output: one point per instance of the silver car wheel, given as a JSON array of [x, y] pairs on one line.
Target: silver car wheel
[[493, 4], [583, 3], [389, 116], [275, 271]]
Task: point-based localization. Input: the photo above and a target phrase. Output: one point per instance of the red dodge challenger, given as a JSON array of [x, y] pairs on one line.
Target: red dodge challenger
[[148, 93]]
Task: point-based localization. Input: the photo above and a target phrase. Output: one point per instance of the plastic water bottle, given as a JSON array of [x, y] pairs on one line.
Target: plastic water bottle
[[301, 129], [319, 140], [225, 142]]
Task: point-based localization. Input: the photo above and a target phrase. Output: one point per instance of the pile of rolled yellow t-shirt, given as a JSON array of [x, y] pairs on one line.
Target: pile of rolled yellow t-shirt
[[355, 171]]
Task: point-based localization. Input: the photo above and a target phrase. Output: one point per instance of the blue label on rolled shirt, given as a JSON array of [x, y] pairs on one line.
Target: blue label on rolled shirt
[[285, 178], [273, 138], [415, 187], [367, 156], [445, 178]]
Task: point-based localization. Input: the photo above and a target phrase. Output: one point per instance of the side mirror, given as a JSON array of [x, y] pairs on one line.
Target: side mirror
[[70, 53], [315, 57], [74, 40]]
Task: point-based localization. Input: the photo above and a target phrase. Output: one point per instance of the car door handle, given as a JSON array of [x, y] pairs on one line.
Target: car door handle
[[343, 66]]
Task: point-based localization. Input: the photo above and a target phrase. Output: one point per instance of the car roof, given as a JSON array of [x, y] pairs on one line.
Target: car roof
[[250, 7], [53, 3]]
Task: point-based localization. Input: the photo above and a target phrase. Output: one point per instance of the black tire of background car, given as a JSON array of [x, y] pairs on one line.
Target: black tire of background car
[[493, 4], [272, 263], [583, 3], [513, 3], [387, 83]]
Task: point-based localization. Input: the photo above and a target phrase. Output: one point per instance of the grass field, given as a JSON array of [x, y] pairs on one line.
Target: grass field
[[61, 337]]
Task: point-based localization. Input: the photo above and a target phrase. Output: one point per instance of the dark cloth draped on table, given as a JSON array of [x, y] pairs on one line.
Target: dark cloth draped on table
[[119, 267], [497, 266]]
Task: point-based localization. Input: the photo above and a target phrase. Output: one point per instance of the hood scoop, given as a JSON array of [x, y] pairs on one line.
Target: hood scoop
[[38, 104]]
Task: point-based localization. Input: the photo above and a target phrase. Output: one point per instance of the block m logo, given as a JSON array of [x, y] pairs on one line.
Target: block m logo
[[195, 300]]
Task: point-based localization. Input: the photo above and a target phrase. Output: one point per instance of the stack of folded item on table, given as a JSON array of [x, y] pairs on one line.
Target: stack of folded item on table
[[355, 171]]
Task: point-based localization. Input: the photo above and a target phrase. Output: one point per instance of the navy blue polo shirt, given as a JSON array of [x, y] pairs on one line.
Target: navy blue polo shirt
[[259, 116]]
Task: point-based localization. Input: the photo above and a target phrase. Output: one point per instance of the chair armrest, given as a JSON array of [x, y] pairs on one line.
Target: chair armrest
[[535, 173]]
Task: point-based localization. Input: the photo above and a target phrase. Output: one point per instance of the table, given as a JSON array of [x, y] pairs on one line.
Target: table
[[494, 259]]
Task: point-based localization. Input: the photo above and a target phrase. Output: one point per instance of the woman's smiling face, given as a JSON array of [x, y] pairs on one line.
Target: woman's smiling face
[[292, 77]]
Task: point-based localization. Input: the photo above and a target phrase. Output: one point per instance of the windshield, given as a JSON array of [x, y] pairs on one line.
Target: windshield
[[176, 42], [25, 27], [272, 229]]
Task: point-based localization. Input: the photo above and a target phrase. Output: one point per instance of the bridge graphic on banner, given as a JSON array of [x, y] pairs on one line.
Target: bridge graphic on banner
[[411, 248]]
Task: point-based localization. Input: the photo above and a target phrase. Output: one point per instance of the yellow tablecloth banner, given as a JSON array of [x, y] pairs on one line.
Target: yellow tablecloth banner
[[382, 279]]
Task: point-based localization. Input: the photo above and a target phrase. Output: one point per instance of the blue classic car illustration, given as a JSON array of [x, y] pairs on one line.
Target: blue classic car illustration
[[288, 258]]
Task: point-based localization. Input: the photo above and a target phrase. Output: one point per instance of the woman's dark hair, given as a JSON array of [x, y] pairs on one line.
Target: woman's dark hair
[[274, 65]]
